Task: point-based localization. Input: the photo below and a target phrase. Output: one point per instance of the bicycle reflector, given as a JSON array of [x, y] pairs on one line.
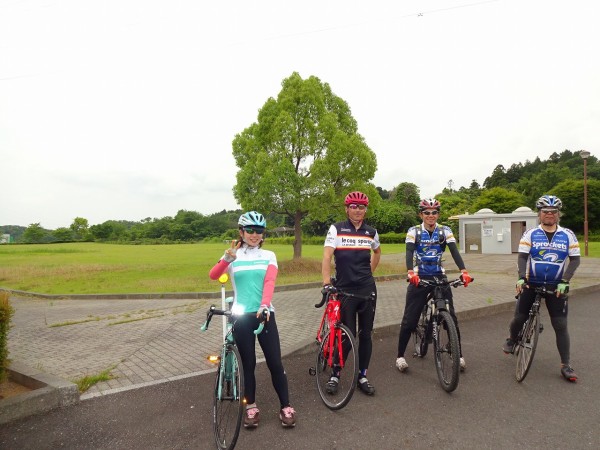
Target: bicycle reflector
[[223, 278], [214, 359]]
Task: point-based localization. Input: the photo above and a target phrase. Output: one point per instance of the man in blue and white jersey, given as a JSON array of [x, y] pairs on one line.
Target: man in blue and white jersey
[[543, 255]]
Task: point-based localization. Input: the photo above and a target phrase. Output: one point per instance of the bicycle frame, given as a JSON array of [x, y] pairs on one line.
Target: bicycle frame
[[229, 384], [330, 320], [527, 338], [436, 319]]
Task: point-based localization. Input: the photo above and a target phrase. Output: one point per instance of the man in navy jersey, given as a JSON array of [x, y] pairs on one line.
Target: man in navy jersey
[[355, 247], [425, 246], [543, 254]]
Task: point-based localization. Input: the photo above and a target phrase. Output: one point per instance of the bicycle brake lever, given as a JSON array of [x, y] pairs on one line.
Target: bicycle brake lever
[[261, 325]]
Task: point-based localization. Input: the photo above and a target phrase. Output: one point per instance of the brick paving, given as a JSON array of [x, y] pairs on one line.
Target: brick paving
[[147, 341]]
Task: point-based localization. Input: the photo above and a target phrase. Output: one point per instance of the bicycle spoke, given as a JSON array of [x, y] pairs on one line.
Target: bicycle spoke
[[526, 346], [330, 361], [420, 338], [447, 353], [228, 401]]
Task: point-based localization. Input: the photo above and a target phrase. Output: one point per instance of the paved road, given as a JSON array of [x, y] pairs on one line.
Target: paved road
[[488, 410], [150, 341]]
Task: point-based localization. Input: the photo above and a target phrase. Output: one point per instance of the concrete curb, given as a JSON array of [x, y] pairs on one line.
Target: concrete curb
[[168, 295], [48, 392]]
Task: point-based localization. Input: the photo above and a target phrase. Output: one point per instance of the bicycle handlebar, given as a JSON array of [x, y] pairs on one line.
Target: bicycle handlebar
[[333, 290], [219, 312], [543, 291], [442, 282]]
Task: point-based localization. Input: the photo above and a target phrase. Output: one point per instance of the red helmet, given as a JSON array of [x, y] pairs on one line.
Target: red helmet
[[429, 203], [357, 198]]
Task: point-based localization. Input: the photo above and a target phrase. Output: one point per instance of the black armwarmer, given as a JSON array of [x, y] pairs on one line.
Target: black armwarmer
[[456, 255], [522, 264], [410, 250], [574, 262]]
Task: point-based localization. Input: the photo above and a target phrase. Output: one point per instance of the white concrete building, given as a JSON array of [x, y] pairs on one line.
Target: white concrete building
[[490, 233]]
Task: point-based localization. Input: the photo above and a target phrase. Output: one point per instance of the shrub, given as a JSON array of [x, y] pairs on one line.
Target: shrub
[[6, 312]]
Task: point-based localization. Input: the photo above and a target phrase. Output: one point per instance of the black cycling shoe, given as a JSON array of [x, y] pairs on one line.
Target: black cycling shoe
[[568, 372], [332, 385], [365, 386], [509, 346]]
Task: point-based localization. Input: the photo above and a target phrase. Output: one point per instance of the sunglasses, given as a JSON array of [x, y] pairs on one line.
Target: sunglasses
[[431, 213], [359, 207], [254, 230], [550, 211]]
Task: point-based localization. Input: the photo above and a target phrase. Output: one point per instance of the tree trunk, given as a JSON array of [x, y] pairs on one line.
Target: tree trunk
[[298, 235]]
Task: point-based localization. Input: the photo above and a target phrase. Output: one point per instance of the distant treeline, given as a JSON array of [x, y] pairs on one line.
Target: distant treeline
[[392, 213]]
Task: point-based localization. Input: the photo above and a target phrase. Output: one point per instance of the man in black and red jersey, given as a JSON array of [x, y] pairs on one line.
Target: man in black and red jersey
[[355, 247]]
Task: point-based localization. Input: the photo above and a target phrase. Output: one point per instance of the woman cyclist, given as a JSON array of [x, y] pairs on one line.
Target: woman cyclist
[[253, 271]]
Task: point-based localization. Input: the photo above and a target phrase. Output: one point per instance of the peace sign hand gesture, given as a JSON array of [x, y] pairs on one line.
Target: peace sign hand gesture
[[230, 253]]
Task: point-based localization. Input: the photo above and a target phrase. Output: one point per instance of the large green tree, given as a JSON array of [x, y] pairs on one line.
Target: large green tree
[[35, 234], [499, 199], [570, 193], [80, 228], [302, 155]]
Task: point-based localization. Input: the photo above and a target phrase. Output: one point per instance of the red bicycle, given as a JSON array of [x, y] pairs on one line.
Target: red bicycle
[[337, 357]]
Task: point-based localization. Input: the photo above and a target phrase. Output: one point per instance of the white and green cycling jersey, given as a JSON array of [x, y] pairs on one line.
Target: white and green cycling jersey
[[247, 274]]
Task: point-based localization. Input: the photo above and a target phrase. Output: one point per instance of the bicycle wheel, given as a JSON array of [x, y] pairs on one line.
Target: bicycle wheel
[[420, 337], [228, 404], [525, 348], [346, 366], [447, 353]]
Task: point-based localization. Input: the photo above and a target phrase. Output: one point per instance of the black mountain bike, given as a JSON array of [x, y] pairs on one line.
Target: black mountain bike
[[436, 326], [527, 339]]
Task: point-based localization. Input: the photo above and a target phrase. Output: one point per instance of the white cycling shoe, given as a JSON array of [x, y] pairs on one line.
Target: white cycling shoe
[[401, 364]]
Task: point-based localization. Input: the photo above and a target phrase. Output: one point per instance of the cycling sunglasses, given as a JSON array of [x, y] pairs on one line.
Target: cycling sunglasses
[[431, 213], [550, 211], [359, 207], [251, 230]]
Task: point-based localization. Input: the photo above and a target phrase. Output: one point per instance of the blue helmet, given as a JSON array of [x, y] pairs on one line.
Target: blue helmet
[[252, 219], [548, 201]]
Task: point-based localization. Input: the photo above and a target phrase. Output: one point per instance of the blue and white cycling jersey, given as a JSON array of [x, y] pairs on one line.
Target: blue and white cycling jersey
[[547, 259], [247, 274], [429, 248]]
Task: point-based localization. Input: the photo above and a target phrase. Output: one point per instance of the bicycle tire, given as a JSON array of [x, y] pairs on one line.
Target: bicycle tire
[[348, 374], [228, 402], [526, 346], [447, 351], [420, 337]]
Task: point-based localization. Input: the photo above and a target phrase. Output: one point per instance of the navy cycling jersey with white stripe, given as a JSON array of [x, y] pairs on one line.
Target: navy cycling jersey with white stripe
[[547, 258], [352, 252]]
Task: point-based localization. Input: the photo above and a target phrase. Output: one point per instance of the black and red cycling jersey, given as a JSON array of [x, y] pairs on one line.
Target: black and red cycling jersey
[[352, 253]]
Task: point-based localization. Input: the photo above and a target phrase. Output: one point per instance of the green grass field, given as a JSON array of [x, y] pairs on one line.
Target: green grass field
[[92, 268]]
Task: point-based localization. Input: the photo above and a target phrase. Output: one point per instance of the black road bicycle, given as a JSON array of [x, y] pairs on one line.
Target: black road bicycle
[[527, 339], [436, 326]]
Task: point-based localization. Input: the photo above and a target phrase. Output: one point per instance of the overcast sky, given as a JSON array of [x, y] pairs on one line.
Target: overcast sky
[[126, 109]]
